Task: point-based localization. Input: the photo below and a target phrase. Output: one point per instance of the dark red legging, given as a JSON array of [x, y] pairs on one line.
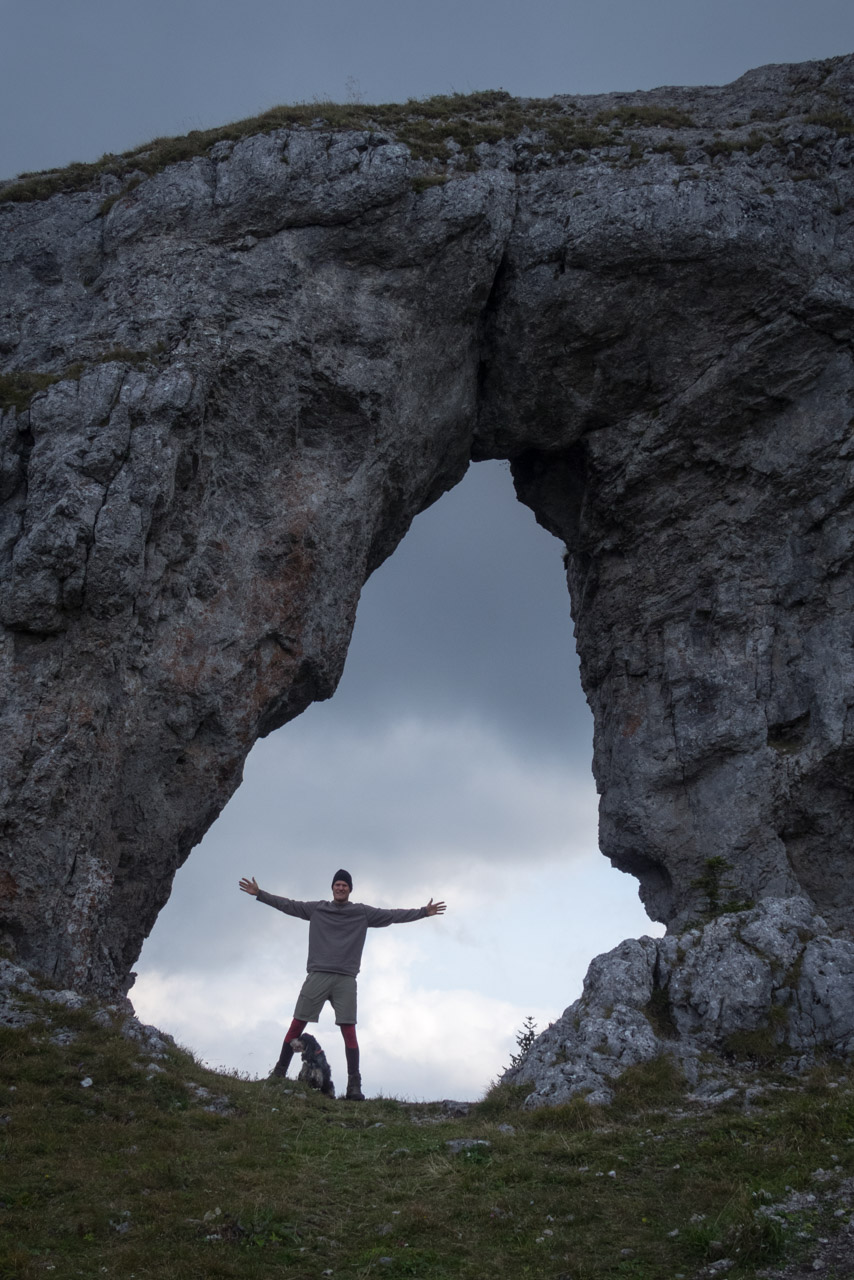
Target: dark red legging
[[351, 1047], [348, 1031], [351, 1044], [296, 1027]]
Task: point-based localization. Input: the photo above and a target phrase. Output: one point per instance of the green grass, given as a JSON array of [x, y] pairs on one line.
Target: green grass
[[841, 123], [18, 388], [659, 117], [754, 141], [560, 127], [426, 180], [425, 126], [132, 1177]]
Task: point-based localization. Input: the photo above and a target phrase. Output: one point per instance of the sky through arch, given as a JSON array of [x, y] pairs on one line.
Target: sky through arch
[[453, 761]]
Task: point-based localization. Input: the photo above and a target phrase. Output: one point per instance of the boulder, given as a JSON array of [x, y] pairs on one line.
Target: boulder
[[766, 983]]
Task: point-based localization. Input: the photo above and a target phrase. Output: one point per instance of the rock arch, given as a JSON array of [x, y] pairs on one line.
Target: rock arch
[[239, 382]]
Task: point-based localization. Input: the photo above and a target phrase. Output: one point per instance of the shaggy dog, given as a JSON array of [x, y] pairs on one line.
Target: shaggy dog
[[315, 1069]]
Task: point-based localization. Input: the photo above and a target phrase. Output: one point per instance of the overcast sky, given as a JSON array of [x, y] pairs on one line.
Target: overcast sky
[[454, 760]]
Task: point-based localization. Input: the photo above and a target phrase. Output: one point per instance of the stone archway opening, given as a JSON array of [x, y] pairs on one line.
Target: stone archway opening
[[453, 761], [199, 478]]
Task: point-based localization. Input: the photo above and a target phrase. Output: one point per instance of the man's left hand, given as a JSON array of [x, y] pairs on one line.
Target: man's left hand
[[434, 908]]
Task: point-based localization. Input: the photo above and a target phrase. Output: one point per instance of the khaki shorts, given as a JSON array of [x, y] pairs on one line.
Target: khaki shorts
[[338, 988]]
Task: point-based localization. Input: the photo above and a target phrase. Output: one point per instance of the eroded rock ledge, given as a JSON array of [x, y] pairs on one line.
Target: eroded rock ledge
[[230, 383]]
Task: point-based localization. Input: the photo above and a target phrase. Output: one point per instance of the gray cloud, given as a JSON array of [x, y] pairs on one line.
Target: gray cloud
[[471, 616], [459, 734]]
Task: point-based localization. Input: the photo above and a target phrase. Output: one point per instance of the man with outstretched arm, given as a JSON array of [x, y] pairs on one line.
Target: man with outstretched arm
[[336, 936]]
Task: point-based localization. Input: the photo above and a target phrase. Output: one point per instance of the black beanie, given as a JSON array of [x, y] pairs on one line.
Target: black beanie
[[343, 875]]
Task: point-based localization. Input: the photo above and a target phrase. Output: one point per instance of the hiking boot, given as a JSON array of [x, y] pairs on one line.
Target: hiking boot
[[280, 1070], [354, 1089]]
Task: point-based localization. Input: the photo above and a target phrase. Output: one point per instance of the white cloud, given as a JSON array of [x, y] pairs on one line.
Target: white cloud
[[440, 1000], [417, 1042], [412, 810]]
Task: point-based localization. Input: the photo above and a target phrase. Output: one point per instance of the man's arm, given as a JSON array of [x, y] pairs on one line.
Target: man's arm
[[290, 906], [379, 917]]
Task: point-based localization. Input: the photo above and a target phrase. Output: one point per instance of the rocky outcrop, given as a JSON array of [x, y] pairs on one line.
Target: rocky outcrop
[[230, 383], [770, 983], [23, 1001]]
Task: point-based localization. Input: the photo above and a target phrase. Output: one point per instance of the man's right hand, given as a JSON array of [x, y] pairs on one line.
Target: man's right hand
[[249, 886]]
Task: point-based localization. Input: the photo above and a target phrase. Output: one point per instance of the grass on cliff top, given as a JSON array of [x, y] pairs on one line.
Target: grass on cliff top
[[132, 1177], [425, 126]]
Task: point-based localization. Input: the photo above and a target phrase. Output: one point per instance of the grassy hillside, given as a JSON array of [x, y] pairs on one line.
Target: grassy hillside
[[131, 1175]]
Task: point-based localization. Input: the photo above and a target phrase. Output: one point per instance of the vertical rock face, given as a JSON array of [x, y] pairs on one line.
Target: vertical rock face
[[690, 438], [278, 373], [229, 391]]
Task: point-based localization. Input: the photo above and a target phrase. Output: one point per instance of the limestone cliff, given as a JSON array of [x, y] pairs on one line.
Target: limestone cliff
[[230, 383]]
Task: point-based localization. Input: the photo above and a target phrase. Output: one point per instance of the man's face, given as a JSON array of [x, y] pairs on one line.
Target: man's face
[[340, 891]]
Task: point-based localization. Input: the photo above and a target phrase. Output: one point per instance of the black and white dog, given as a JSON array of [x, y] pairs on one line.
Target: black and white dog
[[315, 1069]]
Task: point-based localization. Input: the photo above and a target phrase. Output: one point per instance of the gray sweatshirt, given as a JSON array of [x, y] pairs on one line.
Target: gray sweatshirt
[[337, 930]]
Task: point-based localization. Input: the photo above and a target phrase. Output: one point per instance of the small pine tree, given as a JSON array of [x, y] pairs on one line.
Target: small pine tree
[[524, 1039]]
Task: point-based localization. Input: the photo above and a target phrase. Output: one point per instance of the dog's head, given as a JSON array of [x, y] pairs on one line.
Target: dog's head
[[304, 1043]]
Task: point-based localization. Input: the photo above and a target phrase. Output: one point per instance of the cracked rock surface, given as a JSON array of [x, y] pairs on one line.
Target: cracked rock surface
[[765, 981], [228, 390]]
